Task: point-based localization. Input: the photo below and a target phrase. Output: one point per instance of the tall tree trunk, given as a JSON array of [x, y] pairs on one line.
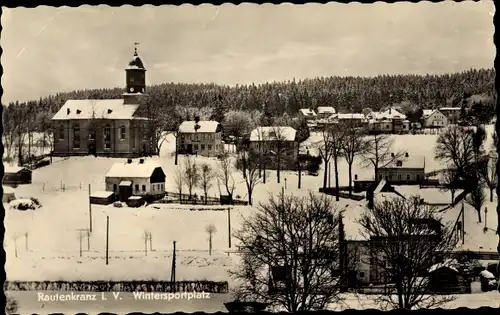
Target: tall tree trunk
[[479, 215], [491, 193], [337, 188], [325, 174], [206, 194], [249, 196], [278, 168], [350, 179], [453, 196]]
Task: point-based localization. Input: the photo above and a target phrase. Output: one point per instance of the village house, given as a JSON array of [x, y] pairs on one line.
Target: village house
[[106, 127], [433, 118], [352, 119], [200, 137], [309, 116], [407, 170], [323, 112], [275, 140], [451, 113], [141, 178], [389, 121]]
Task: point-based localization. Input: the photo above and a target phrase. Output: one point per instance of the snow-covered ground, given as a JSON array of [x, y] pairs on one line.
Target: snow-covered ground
[[62, 189]]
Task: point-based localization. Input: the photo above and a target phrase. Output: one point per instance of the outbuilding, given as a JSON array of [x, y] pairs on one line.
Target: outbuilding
[[16, 175], [140, 178], [102, 197]]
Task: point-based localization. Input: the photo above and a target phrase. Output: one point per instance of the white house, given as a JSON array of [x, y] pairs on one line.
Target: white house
[[388, 121], [433, 118], [274, 139], [325, 111], [145, 177], [203, 138], [307, 114]]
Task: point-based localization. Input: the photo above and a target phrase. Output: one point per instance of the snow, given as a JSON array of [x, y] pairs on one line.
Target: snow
[[208, 126], [63, 190], [87, 109], [134, 170], [273, 133], [101, 194]]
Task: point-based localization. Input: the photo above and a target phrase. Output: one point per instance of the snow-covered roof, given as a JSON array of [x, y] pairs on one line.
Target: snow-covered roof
[[12, 169], [348, 116], [96, 109], [410, 161], [133, 170], [428, 112], [390, 113], [447, 263], [431, 196], [325, 110], [273, 133], [188, 126], [125, 183], [101, 194], [450, 108], [307, 112]]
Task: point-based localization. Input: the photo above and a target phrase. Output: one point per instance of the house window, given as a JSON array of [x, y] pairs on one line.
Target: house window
[[195, 147], [122, 132], [399, 163], [61, 132], [407, 176], [114, 187], [399, 177], [418, 177], [210, 147], [154, 187], [161, 187], [76, 136], [136, 187], [107, 137], [143, 187], [361, 274], [202, 147], [144, 133], [92, 133]]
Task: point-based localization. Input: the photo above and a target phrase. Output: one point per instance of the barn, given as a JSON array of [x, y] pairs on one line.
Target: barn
[[16, 175], [143, 178], [102, 197]]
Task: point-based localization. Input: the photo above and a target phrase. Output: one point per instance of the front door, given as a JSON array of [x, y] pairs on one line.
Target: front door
[[189, 149]]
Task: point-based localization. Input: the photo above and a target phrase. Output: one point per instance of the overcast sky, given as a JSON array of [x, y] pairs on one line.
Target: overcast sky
[[48, 50]]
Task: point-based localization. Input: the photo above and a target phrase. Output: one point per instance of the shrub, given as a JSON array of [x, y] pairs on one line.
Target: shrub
[[11, 305], [117, 204]]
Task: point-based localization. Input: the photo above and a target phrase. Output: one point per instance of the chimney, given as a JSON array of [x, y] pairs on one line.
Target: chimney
[[110, 111], [68, 111], [129, 161], [141, 161], [392, 154], [406, 154], [78, 111]]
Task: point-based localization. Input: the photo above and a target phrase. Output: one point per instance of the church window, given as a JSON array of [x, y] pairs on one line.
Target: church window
[[123, 132], [61, 132], [107, 137], [76, 136]]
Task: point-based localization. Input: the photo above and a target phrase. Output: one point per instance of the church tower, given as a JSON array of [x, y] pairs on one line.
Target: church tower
[[135, 76]]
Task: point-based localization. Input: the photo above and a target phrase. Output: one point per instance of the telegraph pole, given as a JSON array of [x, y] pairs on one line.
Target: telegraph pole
[[90, 212], [107, 239], [229, 225]]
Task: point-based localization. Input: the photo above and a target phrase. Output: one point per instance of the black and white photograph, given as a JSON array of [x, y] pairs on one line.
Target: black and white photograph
[[246, 158]]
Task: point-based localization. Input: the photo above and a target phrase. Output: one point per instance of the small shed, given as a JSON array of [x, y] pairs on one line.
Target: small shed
[[8, 194], [102, 197], [16, 175], [444, 278], [125, 190]]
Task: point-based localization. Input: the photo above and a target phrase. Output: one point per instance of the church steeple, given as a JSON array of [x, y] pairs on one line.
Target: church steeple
[[135, 76]]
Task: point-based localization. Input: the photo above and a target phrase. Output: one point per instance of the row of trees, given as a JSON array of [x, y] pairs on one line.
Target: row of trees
[[305, 239], [469, 166]]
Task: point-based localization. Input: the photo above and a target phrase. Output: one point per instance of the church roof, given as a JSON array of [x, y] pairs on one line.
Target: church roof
[[136, 62], [96, 109]]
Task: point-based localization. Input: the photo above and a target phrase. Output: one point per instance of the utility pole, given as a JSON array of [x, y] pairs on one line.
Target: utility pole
[[172, 275], [463, 223], [485, 219], [90, 212], [329, 174], [229, 225], [107, 239]]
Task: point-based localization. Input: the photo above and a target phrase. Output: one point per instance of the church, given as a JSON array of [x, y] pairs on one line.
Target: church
[[107, 127]]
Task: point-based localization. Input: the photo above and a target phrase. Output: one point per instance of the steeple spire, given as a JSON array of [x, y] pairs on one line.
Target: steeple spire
[[135, 49]]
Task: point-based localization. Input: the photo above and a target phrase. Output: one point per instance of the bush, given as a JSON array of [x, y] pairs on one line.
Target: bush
[[117, 204], [11, 305], [25, 204]]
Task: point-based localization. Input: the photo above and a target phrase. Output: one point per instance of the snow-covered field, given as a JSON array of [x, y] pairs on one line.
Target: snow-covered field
[[53, 236]]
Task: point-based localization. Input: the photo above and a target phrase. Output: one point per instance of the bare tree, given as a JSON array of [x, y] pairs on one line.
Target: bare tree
[[337, 137], [147, 238], [379, 152], [476, 197], [207, 175], [489, 173], [325, 150], [248, 163], [451, 181], [191, 175], [179, 181], [277, 138], [225, 173], [80, 237], [352, 146], [289, 250], [88, 234], [407, 240], [210, 229], [455, 147]]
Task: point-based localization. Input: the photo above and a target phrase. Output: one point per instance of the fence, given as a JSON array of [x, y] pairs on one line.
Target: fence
[[124, 286]]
